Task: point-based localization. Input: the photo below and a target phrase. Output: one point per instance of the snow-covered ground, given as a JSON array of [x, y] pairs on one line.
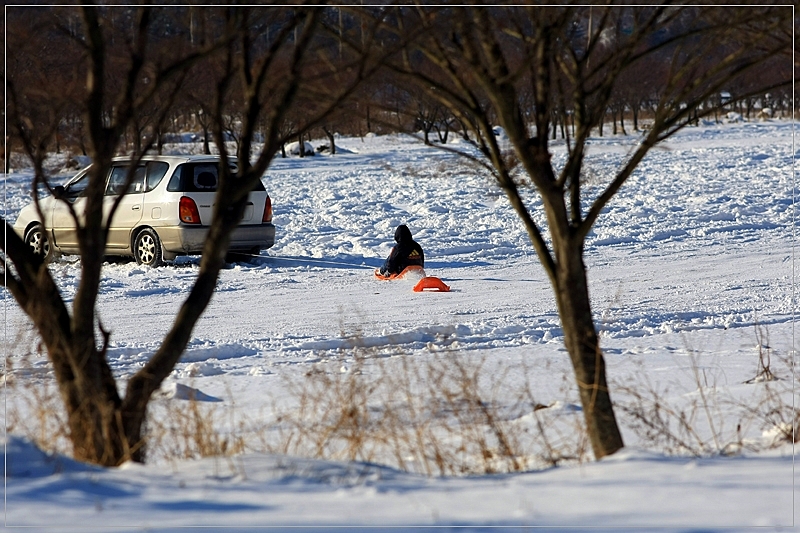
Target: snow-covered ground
[[692, 276]]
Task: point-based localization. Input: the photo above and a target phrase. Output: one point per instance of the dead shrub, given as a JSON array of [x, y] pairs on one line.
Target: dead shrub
[[445, 415], [192, 429], [698, 422], [448, 413], [34, 408]]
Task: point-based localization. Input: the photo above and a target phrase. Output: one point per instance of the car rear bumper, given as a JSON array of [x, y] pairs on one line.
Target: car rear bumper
[[190, 239]]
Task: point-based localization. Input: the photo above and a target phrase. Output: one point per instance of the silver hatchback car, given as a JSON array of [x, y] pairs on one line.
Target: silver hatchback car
[[165, 212]]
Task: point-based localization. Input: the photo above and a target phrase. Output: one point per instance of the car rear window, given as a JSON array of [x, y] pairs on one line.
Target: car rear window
[[198, 177], [194, 177]]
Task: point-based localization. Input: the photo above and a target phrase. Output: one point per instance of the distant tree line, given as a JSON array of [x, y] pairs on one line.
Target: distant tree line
[[44, 67]]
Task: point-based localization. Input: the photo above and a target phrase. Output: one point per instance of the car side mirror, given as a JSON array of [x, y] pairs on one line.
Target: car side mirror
[[58, 192]]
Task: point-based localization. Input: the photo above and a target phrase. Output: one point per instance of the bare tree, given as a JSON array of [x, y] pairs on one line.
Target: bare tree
[[104, 428], [487, 59], [269, 76]]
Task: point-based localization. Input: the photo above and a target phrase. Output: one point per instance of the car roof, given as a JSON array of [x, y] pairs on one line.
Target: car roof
[[171, 160], [175, 159]]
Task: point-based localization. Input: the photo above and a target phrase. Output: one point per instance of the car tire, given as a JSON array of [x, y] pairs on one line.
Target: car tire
[[36, 238], [147, 248]]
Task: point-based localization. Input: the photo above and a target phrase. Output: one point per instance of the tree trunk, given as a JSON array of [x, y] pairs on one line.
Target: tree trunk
[[100, 433], [97, 431], [464, 131], [331, 139], [580, 337], [443, 133]]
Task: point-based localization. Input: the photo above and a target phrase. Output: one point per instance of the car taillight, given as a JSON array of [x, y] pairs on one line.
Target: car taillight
[[187, 210], [267, 218]]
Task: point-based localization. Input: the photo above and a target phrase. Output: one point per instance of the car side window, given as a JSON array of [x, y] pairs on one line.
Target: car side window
[[156, 170], [118, 176]]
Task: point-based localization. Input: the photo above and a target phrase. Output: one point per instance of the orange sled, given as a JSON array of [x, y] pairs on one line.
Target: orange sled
[[431, 284], [425, 284], [406, 271]]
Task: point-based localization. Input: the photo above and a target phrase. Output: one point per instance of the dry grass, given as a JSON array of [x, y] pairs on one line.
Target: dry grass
[[182, 429], [191, 429], [448, 413], [694, 422], [33, 404]]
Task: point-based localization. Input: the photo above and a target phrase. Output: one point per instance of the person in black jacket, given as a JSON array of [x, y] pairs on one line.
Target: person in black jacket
[[405, 253]]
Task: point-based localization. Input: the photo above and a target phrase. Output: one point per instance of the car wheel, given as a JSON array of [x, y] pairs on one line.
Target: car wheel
[[147, 248], [36, 238]]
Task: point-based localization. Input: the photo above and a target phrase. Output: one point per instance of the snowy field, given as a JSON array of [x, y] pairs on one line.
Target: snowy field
[[691, 275]]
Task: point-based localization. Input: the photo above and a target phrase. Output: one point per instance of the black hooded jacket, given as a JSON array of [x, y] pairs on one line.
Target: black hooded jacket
[[406, 252]]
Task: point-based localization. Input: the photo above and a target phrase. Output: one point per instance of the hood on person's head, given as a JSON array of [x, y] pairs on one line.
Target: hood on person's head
[[402, 233]]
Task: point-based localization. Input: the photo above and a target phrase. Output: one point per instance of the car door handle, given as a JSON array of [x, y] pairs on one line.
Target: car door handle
[[136, 207]]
